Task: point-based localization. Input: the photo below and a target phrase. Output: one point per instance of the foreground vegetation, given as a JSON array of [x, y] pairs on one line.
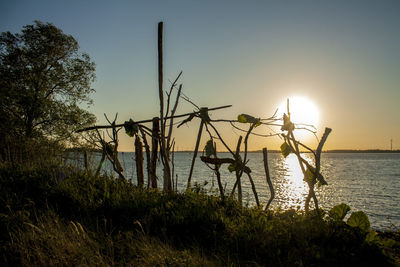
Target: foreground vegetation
[[53, 215], [48, 218]]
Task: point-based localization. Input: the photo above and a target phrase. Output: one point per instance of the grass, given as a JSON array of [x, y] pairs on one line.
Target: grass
[[87, 220]]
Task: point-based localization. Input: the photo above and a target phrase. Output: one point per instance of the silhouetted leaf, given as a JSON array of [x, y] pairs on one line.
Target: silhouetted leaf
[[286, 149], [339, 211], [191, 116], [287, 124], [131, 128], [359, 219], [209, 148], [321, 180]]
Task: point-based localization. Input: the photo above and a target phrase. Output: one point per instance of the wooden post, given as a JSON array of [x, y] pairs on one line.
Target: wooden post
[[271, 187], [154, 150], [148, 157], [139, 161], [163, 149]]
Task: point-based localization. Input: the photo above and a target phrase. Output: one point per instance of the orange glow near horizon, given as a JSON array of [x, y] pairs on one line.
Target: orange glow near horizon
[[303, 112]]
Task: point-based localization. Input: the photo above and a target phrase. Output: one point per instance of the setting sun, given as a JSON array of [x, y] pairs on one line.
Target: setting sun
[[302, 111]]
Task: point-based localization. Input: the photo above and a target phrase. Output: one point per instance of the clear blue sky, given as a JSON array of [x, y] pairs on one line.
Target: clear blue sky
[[342, 55]]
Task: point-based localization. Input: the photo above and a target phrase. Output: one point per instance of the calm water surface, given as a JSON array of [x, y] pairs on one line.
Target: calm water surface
[[365, 181]]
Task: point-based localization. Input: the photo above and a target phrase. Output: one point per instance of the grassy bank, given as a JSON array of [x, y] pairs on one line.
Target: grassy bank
[[105, 221]]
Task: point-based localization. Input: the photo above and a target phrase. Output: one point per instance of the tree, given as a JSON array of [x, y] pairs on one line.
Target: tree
[[43, 82]]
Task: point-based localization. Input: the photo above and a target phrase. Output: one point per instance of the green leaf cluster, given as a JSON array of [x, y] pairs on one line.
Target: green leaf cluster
[[44, 81], [357, 219]]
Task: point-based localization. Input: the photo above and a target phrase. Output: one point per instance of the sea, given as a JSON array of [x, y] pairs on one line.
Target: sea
[[369, 182]]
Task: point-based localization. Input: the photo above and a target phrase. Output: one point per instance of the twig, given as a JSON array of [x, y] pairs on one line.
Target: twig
[[269, 182]]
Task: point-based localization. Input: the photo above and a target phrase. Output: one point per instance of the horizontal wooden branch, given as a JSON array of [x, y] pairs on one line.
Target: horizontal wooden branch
[[147, 121], [219, 161]]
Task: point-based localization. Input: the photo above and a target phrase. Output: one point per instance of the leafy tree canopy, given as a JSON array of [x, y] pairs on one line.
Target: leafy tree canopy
[[43, 82]]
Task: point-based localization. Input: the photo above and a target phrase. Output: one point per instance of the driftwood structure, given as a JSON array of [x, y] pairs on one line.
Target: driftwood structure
[[162, 143]]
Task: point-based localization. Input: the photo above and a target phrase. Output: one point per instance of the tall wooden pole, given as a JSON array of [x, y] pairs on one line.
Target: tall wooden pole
[[163, 149]]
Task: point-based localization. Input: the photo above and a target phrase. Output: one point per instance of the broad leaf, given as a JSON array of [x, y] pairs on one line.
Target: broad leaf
[[339, 212], [131, 128], [245, 118], [286, 149], [210, 148], [359, 219]]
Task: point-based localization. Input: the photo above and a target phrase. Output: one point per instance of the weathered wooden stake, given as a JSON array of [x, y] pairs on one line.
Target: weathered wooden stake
[[139, 161], [154, 150], [148, 157]]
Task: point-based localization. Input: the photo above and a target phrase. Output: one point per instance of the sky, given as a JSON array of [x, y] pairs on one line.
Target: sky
[[343, 56]]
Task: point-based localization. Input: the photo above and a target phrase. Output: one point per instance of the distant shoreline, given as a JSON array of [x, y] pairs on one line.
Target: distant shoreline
[[325, 151], [269, 151]]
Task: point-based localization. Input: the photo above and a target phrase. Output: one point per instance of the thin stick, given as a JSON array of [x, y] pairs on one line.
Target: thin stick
[[269, 182], [195, 153], [253, 187], [172, 119], [238, 172], [148, 120]]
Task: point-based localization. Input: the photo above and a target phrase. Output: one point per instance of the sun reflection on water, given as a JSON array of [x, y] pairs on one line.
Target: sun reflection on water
[[293, 188]]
